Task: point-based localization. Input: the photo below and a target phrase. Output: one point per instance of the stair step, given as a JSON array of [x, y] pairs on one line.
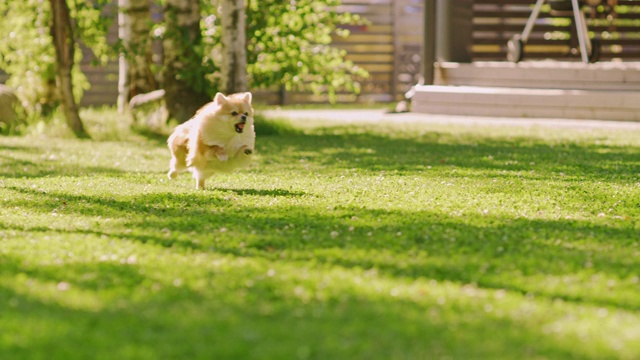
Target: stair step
[[527, 102], [624, 76]]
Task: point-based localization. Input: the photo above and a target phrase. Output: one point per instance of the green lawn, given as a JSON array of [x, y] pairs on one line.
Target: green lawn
[[367, 241]]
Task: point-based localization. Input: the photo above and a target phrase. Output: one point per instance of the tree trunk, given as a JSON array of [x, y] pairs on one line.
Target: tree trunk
[[50, 98], [182, 35], [64, 43], [134, 28], [234, 56]]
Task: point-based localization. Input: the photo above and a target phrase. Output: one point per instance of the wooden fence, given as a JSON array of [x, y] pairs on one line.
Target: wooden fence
[[389, 47]]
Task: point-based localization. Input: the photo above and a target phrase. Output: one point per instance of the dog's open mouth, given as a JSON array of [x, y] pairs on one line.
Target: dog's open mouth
[[240, 127]]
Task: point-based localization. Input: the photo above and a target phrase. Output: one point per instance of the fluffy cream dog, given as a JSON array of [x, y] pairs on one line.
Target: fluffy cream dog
[[219, 138]]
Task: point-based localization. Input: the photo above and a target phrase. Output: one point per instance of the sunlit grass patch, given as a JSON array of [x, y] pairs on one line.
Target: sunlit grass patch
[[371, 241]]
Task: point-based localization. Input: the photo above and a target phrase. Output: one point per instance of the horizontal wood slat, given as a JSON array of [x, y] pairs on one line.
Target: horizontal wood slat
[[540, 89], [496, 21], [527, 103]]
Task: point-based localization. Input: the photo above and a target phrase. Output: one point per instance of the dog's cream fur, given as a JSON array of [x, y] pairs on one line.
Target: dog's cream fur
[[210, 142]]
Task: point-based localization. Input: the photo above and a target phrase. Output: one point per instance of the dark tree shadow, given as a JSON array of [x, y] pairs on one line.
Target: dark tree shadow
[[173, 322]]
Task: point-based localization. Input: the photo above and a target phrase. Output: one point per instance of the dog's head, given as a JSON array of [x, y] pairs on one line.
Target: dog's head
[[236, 108]]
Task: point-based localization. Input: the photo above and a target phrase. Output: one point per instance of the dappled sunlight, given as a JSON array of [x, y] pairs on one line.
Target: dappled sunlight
[[417, 242], [503, 252], [304, 295], [373, 151]]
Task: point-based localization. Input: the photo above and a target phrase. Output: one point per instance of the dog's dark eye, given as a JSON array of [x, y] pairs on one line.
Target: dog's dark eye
[[246, 114], [234, 113]]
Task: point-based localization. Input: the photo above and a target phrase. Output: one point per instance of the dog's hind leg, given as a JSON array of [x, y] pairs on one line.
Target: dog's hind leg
[[177, 163], [199, 184], [200, 177]]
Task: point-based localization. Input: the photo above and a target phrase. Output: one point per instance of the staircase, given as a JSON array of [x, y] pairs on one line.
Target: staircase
[[535, 89]]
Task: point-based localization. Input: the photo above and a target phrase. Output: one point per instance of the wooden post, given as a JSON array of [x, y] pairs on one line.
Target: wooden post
[[454, 30], [429, 43], [396, 13]]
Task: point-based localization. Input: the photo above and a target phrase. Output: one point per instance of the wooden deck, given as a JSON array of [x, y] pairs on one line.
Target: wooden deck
[[534, 89]]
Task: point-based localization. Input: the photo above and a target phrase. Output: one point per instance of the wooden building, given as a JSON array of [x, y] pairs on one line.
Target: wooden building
[[471, 75]]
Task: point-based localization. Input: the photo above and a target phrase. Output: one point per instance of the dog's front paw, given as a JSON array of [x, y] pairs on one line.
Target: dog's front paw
[[189, 161]]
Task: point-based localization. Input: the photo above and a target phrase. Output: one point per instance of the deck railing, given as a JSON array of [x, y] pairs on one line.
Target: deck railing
[[615, 24]]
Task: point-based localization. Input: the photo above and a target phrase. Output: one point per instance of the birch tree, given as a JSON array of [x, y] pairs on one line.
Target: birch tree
[[184, 88], [134, 28], [64, 44], [234, 57]]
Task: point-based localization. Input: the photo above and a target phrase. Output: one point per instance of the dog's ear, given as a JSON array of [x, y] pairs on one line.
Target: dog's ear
[[220, 99], [247, 97]]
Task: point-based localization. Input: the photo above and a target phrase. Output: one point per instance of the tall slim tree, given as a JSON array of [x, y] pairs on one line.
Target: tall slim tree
[[234, 56], [64, 44], [184, 84], [134, 28]]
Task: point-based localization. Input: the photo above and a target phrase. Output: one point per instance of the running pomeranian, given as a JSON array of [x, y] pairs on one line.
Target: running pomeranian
[[220, 137]]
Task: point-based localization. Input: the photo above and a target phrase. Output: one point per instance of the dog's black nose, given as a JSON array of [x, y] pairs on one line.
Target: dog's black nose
[[243, 117]]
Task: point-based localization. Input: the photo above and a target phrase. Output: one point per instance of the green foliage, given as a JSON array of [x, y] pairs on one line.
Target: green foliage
[[187, 49], [92, 19], [28, 56], [385, 240], [27, 53], [289, 45]]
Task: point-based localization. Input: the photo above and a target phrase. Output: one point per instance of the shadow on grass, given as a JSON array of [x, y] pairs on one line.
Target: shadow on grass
[[34, 165], [235, 321], [346, 148], [105, 275], [264, 127], [375, 152], [266, 192], [16, 168], [11, 162], [157, 136], [543, 258], [493, 252], [21, 148]]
